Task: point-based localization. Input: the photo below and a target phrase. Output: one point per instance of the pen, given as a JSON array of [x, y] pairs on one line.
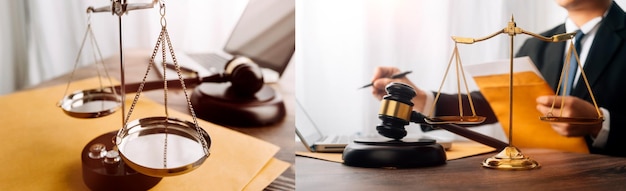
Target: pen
[[395, 76]]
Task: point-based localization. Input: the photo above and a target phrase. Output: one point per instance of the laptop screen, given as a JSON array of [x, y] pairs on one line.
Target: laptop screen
[[305, 128], [265, 33]]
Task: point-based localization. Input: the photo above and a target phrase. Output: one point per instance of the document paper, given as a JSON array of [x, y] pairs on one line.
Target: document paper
[[528, 130], [43, 145]]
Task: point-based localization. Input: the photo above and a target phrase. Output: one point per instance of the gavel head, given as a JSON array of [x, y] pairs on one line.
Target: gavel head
[[395, 110], [245, 75]]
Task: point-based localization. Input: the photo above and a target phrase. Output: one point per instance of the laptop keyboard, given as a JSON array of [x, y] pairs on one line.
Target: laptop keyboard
[[211, 61], [341, 139]]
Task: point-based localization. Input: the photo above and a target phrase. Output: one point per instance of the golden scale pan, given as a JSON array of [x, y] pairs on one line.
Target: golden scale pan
[[565, 74], [510, 158], [155, 146], [460, 75]]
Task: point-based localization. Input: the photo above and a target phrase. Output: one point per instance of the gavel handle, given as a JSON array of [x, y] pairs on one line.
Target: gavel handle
[[175, 84], [153, 85], [486, 140]]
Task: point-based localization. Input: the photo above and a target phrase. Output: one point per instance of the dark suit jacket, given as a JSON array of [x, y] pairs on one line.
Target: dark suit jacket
[[605, 69]]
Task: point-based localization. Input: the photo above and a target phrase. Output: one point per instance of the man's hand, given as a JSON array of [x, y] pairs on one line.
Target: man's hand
[[382, 78], [572, 107]]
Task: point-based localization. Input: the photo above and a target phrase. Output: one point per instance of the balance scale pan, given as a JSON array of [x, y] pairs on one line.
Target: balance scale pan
[[572, 120], [469, 120], [91, 103], [160, 146]]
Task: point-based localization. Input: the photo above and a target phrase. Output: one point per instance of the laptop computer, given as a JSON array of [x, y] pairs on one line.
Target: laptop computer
[[264, 33], [313, 139]]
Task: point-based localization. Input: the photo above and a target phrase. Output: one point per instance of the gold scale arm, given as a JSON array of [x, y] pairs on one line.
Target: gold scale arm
[[511, 158], [511, 29]]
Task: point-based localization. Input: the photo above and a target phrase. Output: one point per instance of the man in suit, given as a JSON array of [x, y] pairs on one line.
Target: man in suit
[[603, 55]]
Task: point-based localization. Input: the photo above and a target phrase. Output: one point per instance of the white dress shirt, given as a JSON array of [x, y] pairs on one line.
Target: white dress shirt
[[589, 29]]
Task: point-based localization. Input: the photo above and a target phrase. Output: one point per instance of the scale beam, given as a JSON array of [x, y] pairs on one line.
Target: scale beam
[[120, 7], [513, 30], [511, 158]]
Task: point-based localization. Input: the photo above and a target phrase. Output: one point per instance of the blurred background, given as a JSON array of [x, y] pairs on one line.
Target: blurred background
[[40, 39], [340, 42]]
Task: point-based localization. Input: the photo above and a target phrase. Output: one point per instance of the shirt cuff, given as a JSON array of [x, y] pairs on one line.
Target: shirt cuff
[[600, 140], [428, 104]]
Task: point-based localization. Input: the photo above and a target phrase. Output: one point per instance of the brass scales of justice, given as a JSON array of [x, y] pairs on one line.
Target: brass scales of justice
[[511, 158], [144, 150]]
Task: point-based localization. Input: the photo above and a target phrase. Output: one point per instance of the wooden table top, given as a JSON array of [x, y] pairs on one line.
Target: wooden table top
[[280, 134], [559, 171]]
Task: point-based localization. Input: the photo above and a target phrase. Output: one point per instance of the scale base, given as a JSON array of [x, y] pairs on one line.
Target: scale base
[[98, 176], [386, 153], [215, 102], [510, 158]]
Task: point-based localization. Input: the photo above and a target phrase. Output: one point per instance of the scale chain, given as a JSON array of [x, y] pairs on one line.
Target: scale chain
[[97, 56], [161, 42], [182, 82], [165, 98], [143, 82]]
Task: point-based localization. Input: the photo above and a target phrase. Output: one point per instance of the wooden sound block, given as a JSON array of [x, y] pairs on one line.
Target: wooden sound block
[[394, 154], [98, 176], [217, 103]]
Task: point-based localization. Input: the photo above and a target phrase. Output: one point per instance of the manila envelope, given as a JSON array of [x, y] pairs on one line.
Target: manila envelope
[[528, 130], [43, 146]]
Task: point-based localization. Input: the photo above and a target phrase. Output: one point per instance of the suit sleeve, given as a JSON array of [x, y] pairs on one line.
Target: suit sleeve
[[616, 141], [448, 105]]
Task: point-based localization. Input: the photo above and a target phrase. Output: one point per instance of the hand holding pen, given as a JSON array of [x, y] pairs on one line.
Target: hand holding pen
[[395, 76], [384, 75]]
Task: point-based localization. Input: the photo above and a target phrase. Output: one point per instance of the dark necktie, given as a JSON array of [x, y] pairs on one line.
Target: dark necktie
[[573, 66]]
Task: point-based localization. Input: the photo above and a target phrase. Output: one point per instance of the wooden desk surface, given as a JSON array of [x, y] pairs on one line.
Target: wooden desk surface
[[281, 133], [559, 171]]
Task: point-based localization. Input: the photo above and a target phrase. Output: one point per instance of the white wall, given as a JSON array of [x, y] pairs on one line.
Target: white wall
[[339, 42], [41, 38]]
